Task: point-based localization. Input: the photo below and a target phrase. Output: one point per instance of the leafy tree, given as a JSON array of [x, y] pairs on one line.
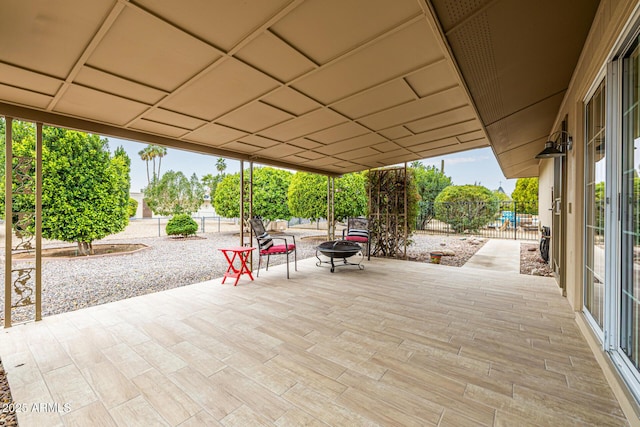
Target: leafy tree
[[227, 197], [174, 194], [211, 182], [270, 187], [351, 196], [308, 196], [501, 196], [269, 194], [181, 225], [85, 192], [466, 207], [429, 182], [525, 195]]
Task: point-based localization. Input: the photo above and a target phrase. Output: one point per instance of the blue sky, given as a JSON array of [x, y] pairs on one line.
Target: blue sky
[[470, 167]]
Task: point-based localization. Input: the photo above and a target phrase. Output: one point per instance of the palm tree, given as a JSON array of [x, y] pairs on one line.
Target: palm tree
[[159, 152], [220, 165], [150, 152], [145, 155]]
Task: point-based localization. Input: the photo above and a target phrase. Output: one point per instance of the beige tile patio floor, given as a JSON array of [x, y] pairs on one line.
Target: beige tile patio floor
[[399, 343]]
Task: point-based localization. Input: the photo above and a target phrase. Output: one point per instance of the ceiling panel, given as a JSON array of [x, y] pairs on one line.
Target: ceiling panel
[[435, 78], [380, 98], [143, 48], [305, 143], [241, 147], [395, 132], [442, 132], [433, 144], [277, 152], [261, 142], [24, 97], [304, 125], [454, 148], [274, 57], [456, 115], [325, 29], [79, 101], [119, 86], [291, 101], [158, 128], [254, 117], [172, 118], [25, 79], [361, 70], [338, 133], [422, 108], [213, 135], [222, 23], [311, 155], [368, 140], [49, 36], [222, 89]]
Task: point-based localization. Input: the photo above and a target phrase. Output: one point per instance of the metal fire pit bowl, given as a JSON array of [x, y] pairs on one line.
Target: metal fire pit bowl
[[339, 249]]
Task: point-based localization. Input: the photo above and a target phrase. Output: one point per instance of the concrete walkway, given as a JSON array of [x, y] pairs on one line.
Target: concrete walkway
[[497, 254]]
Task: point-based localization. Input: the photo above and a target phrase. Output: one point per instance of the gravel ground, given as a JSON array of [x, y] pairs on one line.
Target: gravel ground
[[71, 284], [531, 262]]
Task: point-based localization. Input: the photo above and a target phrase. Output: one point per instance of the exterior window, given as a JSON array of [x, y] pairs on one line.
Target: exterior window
[[630, 211], [595, 174]]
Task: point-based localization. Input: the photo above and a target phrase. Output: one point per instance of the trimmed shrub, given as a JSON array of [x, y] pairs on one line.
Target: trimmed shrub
[[133, 207], [181, 225], [466, 207]]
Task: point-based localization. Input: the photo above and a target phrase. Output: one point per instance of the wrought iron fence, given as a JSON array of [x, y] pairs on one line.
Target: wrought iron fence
[[152, 227], [498, 220]]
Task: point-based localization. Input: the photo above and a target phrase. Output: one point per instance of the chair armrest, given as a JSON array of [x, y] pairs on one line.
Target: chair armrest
[[284, 237], [289, 235]]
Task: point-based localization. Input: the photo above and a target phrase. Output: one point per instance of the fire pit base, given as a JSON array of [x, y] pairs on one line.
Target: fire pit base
[[341, 249]]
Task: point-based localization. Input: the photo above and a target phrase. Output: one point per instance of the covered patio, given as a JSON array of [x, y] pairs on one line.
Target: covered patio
[[389, 345]]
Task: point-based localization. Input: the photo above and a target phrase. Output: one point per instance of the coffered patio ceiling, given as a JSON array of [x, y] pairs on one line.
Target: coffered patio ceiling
[[330, 86]]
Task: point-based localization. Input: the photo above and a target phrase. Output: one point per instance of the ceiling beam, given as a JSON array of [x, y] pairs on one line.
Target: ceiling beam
[[102, 129]]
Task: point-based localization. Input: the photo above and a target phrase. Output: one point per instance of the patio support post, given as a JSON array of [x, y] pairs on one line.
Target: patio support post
[[241, 202], [8, 198], [246, 205], [331, 232], [38, 219], [406, 212]]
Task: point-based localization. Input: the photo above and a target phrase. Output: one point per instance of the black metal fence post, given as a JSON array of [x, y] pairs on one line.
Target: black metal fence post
[[515, 220]]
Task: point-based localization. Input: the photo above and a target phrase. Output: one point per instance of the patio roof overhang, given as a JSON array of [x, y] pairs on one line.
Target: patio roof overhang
[[328, 87]]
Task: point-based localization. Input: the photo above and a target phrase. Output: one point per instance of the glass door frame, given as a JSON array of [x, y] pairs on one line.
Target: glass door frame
[[601, 333], [613, 239]]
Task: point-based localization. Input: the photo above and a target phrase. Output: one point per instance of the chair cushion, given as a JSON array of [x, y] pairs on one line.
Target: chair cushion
[[356, 232], [265, 242], [277, 249], [358, 239]]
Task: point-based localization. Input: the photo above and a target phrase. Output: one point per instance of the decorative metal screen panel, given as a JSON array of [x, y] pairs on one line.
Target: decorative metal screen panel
[[388, 208], [22, 286]]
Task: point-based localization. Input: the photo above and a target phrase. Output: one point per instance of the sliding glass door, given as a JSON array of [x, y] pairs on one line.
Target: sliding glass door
[[630, 211], [595, 177]]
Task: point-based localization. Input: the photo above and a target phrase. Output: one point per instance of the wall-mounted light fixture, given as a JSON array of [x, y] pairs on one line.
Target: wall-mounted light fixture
[[558, 145]]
